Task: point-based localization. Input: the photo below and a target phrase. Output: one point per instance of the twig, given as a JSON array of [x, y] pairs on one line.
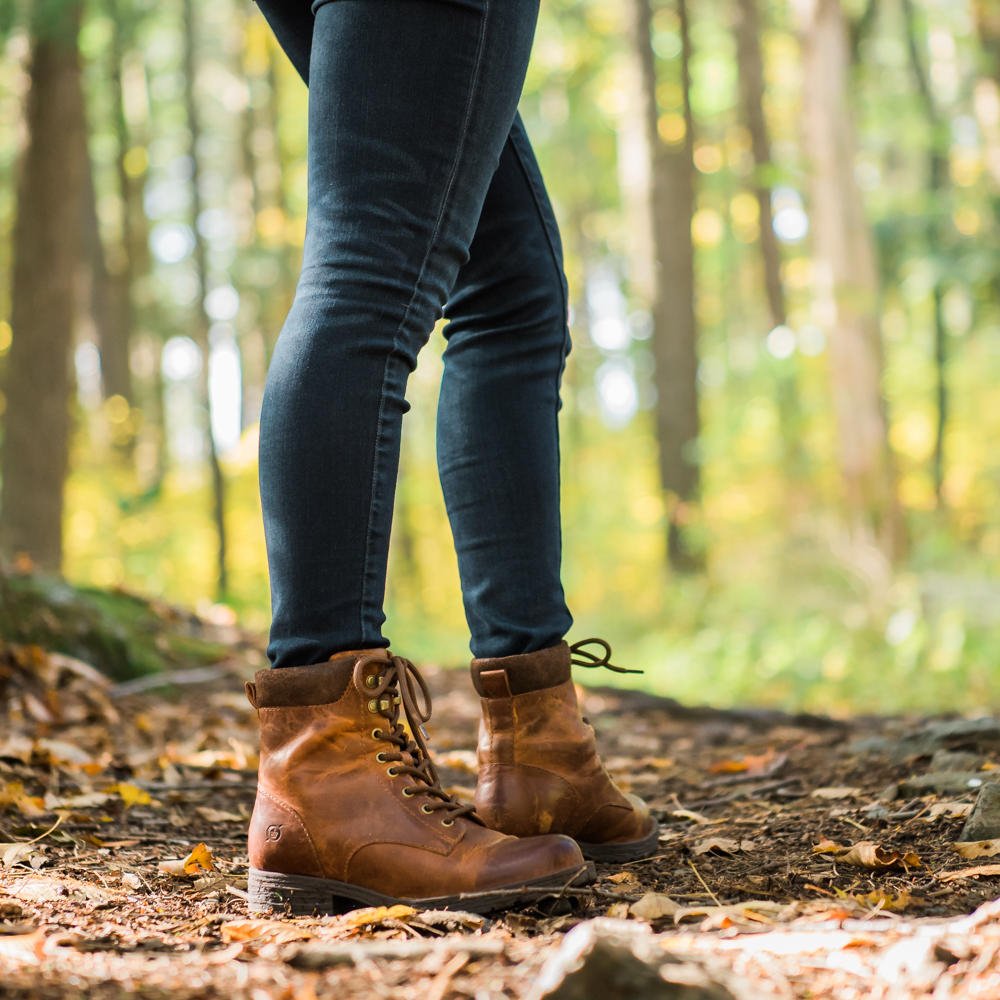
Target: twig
[[196, 675], [704, 883]]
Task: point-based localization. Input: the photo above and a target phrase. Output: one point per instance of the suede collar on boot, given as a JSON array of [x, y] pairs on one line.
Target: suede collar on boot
[[503, 676], [315, 684]]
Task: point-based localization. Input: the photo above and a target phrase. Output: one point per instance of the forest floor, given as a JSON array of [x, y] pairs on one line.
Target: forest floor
[[800, 856]]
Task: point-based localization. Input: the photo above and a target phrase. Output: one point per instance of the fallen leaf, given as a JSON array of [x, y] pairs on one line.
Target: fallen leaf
[[950, 810], [754, 911], [695, 817], [623, 882], [13, 795], [972, 849], [758, 765], [262, 932], [969, 872], [867, 854], [23, 946], [217, 815], [371, 915], [652, 906], [14, 854], [198, 861], [878, 899], [131, 795], [722, 845], [618, 911], [835, 792]]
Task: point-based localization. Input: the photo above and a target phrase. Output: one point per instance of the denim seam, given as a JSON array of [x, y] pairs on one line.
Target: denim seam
[[564, 352], [449, 186]]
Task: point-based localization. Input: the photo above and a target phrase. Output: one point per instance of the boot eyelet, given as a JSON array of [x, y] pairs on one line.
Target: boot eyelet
[[392, 772], [376, 734], [425, 808], [372, 705], [381, 758], [372, 680], [408, 792], [447, 822]]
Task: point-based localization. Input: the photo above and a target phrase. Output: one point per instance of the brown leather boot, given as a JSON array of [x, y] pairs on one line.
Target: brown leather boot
[[539, 771], [349, 805]]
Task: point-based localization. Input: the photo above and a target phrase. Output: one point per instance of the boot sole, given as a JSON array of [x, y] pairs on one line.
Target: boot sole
[[302, 895], [632, 850]]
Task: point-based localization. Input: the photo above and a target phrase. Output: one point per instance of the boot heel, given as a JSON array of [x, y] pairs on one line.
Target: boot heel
[[295, 895]]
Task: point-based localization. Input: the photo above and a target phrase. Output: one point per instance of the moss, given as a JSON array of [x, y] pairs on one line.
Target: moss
[[119, 632]]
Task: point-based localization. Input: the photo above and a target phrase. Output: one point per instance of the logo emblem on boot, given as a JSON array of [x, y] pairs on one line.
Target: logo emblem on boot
[[273, 832]]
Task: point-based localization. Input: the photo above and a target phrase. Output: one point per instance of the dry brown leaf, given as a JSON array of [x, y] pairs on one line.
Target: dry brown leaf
[[722, 845], [867, 854], [262, 932], [753, 911], [950, 810], [835, 792], [878, 899], [14, 854], [218, 815], [198, 861], [969, 872], [695, 817], [652, 906], [972, 849]]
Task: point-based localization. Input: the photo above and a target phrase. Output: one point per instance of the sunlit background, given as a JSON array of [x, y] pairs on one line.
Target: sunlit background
[[786, 581]]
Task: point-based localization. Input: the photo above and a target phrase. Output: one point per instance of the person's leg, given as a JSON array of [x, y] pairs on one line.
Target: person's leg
[[497, 427], [411, 103]]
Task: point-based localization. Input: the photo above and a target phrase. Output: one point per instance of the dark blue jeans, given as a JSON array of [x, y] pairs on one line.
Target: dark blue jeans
[[424, 200]]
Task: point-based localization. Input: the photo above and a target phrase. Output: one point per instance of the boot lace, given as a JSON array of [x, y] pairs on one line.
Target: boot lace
[[581, 657], [397, 686]]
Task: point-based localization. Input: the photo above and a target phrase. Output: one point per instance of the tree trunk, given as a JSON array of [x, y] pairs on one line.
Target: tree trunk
[[751, 84], [47, 252], [987, 17], [671, 206], [939, 236], [847, 282], [200, 324]]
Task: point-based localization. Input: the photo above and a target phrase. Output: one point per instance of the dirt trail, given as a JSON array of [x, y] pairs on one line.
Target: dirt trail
[[755, 892]]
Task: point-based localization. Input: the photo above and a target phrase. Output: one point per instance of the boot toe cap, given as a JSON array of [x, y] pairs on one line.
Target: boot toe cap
[[527, 859]]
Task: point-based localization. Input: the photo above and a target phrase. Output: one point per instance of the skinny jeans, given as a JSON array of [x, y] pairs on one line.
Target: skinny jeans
[[424, 201]]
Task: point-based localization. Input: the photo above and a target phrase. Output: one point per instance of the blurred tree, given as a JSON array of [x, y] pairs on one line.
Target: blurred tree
[[47, 252], [847, 283], [670, 180], [751, 84], [940, 235], [200, 326]]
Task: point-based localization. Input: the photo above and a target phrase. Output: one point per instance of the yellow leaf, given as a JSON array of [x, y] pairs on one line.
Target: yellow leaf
[[13, 794], [131, 795], [377, 914], [198, 861]]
